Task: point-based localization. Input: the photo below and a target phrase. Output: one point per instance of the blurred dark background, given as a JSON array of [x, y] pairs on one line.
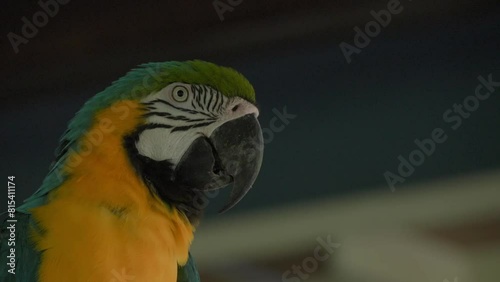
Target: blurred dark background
[[352, 121]]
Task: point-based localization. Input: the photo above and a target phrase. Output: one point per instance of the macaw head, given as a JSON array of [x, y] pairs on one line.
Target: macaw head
[[185, 128], [199, 132]]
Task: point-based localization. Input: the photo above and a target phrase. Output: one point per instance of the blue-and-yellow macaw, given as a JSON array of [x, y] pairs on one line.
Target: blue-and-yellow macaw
[[121, 201]]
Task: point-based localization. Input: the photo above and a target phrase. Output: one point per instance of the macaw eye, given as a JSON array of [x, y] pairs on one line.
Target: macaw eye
[[180, 93]]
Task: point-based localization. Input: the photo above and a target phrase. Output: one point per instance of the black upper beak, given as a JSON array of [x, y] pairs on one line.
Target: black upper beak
[[240, 147], [232, 154]]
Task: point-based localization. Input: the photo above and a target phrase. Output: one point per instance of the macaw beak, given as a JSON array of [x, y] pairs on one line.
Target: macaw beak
[[232, 154]]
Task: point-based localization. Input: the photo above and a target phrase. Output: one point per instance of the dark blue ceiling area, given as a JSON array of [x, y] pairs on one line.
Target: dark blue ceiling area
[[348, 122]]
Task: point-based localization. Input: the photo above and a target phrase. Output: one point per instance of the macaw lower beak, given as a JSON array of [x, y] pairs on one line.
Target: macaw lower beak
[[232, 154]]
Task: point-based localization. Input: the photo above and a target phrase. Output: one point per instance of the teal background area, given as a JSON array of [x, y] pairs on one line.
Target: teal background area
[[352, 120]]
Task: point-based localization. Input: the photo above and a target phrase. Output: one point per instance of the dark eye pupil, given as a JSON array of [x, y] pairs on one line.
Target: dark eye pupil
[[180, 93]]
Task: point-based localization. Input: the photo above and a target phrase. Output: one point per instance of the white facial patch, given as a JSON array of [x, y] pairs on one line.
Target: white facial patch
[[173, 121]]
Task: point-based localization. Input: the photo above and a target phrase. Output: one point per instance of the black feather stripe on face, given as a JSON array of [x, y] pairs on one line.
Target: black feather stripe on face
[[158, 177], [158, 172]]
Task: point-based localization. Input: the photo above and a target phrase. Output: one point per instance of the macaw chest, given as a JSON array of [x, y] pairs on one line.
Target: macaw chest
[[98, 244]]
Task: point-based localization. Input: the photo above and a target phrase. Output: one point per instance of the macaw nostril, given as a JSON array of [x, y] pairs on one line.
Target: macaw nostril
[[235, 108]]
